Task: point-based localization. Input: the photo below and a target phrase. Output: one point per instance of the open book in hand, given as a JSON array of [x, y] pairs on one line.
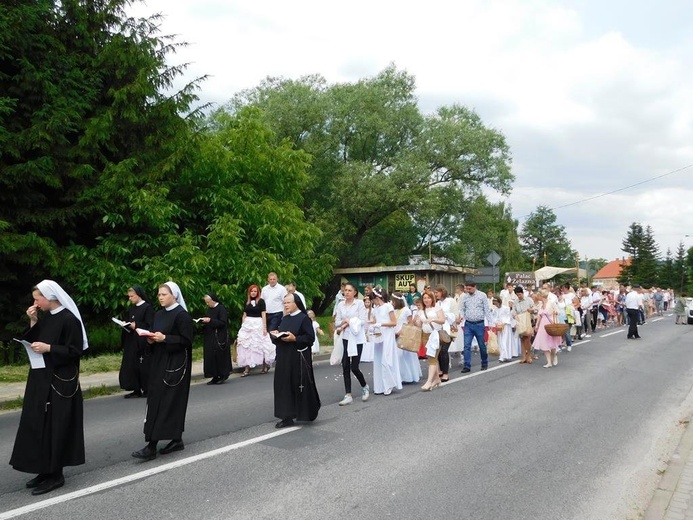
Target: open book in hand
[[144, 332], [122, 323], [197, 320], [277, 334]]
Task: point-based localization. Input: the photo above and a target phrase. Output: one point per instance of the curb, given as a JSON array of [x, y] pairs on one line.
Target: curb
[[195, 376], [663, 494]]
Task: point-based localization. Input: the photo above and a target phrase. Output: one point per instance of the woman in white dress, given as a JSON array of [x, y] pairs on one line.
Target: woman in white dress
[[386, 374], [254, 346], [350, 320], [430, 318], [409, 366]]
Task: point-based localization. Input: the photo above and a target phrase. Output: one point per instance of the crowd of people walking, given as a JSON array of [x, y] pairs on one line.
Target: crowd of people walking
[[393, 331]]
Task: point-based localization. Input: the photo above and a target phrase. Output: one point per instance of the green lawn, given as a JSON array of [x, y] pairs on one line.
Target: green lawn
[[89, 365]]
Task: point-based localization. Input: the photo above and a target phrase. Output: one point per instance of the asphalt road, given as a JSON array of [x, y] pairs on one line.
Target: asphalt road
[[583, 440]]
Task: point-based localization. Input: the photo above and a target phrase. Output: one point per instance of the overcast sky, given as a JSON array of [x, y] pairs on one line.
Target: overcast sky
[[593, 96]]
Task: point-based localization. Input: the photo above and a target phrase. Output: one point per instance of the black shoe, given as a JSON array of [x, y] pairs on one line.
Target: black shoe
[[213, 381], [484, 367], [38, 479], [284, 423], [171, 447], [49, 485], [466, 369], [144, 394], [133, 394], [146, 453]]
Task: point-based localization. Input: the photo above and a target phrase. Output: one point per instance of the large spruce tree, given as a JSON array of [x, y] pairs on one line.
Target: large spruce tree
[[88, 128]]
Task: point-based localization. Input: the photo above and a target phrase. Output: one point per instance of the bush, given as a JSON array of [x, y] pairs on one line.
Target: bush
[[103, 339]]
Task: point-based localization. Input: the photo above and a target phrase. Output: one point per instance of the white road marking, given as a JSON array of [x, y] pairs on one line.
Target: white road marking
[[140, 475], [611, 333]]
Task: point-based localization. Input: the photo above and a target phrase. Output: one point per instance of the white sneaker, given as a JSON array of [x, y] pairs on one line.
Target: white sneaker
[[570, 349], [365, 393], [347, 400]]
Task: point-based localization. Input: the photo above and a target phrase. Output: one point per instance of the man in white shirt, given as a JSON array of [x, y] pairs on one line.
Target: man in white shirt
[[273, 294], [291, 289], [633, 303]]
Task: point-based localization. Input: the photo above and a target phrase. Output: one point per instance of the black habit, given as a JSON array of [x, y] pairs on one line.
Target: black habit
[[169, 375], [295, 394], [217, 354], [51, 429], [134, 368]]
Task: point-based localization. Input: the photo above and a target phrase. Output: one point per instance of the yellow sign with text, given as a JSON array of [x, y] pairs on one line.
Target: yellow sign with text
[[402, 281]]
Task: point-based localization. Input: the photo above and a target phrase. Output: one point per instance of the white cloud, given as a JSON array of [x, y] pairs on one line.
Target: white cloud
[[589, 100]]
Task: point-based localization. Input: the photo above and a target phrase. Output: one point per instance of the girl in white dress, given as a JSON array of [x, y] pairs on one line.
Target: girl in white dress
[[367, 355], [431, 320], [386, 375], [409, 366], [315, 349], [503, 321]]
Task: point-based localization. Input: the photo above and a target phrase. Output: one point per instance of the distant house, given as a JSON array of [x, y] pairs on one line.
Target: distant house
[[607, 276]]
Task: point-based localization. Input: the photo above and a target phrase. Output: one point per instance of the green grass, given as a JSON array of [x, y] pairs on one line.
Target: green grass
[[14, 404], [100, 364], [14, 373], [98, 391], [90, 365]]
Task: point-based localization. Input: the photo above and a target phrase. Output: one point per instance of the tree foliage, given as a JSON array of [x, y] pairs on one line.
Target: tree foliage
[[379, 166], [108, 178], [544, 242], [640, 245]]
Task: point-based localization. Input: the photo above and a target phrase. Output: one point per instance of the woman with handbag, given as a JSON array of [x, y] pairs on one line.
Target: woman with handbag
[[409, 366], [542, 340], [351, 322], [447, 305], [431, 318]]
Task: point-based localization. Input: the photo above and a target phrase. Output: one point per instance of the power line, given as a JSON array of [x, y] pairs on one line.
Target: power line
[[624, 188]]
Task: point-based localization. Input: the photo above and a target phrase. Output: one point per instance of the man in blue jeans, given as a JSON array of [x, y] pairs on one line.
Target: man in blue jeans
[[474, 309]]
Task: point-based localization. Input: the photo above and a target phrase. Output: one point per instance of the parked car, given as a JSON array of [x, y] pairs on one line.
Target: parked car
[[689, 310]]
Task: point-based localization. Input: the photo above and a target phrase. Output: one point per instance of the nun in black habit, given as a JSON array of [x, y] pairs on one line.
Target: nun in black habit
[[295, 394], [51, 429], [217, 355], [134, 368], [169, 374]]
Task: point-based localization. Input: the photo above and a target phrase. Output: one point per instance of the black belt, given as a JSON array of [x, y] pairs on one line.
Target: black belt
[[479, 321]]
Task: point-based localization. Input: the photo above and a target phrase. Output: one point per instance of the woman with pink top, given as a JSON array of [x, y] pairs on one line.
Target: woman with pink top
[[542, 340]]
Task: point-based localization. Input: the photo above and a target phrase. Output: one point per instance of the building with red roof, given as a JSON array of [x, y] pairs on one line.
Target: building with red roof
[[607, 276]]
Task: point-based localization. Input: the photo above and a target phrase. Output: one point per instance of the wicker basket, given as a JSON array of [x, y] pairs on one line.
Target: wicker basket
[[556, 329]]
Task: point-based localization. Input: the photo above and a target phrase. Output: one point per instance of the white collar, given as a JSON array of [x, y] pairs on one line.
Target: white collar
[[140, 303], [171, 307], [57, 310], [297, 311]]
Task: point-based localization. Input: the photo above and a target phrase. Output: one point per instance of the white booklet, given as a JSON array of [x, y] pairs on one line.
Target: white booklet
[[279, 334], [144, 332], [197, 320], [124, 324], [35, 359]]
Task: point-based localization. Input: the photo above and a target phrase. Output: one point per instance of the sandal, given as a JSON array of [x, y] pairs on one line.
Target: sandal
[[444, 379], [245, 373], [264, 370]]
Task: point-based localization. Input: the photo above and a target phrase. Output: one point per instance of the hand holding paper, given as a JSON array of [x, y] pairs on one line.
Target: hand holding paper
[[35, 359]]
